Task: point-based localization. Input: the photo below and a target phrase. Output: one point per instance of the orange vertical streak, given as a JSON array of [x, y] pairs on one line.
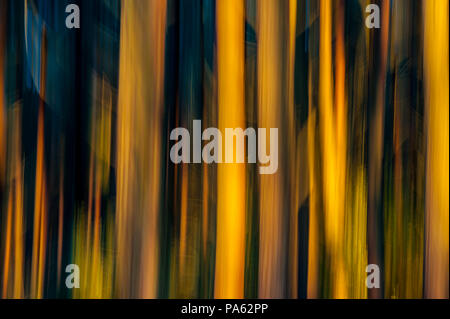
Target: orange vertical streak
[[272, 251], [18, 242], [313, 240], [333, 158], [6, 261], [294, 160], [18, 212], [327, 121], [139, 124], [14, 224], [39, 226], [42, 241], [341, 109], [90, 193], [436, 67], [91, 203], [39, 207], [230, 249], [341, 146]]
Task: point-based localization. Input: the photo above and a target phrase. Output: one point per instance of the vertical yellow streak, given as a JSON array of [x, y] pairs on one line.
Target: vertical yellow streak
[[37, 211], [6, 261], [34, 260], [3, 146], [39, 207], [91, 252], [103, 138], [14, 223], [90, 195], [334, 190], [328, 125], [124, 143], [108, 257], [341, 148], [313, 240], [341, 108], [42, 241], [39, 228], [139, 118], [18, 212], [436, 65], [96, 252], [293, 160], [230, 249], [270, 72], [18, 242]]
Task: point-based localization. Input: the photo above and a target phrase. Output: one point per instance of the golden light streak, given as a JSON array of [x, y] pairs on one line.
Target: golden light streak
[[333, 158], [294, 158], [18, 211], [139, 124], [363, 124], [92, 249], [38, 257], [231, 182], [341, 149], [96, 285], [6, 261], [14, 242], [39, 217], [272, 252], [436, 66], [313, 240], [327, 124], [40, 206]]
